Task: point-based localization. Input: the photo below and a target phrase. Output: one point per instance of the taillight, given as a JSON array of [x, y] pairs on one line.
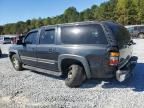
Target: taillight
[[114, 58]]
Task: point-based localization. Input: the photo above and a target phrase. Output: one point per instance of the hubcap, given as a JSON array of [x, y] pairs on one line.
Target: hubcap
[[15, 62]]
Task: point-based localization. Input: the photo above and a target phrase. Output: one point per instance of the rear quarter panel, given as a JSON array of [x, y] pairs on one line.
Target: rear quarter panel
[[96, 55]]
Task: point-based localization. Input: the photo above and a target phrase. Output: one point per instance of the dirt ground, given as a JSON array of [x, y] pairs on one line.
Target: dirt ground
[[28, 89]]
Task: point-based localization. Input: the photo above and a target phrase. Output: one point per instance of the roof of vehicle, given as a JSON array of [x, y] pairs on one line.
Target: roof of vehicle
[[77, 23], [74, 23], [127, 26]]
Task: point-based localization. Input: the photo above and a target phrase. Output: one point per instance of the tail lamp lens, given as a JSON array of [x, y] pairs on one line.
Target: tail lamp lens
[[114, 58]]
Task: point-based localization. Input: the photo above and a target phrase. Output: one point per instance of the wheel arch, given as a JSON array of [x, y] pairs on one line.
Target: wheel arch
[[12, 52], [77, 58]]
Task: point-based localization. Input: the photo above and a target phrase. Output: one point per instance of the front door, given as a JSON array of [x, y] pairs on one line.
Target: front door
[[27, 52]]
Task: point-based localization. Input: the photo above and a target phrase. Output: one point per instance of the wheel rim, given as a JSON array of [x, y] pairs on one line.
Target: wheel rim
[[15, 63]]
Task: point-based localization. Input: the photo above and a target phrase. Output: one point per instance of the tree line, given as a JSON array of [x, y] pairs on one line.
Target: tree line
[[125, 12]]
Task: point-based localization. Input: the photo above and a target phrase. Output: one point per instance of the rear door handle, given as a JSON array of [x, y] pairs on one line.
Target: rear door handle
[[52, 50]]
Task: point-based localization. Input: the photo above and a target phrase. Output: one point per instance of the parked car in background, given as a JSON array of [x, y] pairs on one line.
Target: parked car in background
[[5, 40], [78, 51], [136, 31]]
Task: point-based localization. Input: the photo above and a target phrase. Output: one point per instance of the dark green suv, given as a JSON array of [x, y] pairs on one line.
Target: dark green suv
[[77, 51]]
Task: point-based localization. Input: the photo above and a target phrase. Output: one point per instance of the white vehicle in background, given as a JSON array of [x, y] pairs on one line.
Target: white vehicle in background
[[5, 40], [136, 31]]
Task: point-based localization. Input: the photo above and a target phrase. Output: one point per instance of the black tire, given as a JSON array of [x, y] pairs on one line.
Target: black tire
[[16, 63], [141, 35], [75, 76]]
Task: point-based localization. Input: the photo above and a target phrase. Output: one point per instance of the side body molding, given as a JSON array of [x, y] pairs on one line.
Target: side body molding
[[78, 58]]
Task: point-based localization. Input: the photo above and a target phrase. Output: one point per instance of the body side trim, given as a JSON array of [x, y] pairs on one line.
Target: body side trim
[[38, 60]]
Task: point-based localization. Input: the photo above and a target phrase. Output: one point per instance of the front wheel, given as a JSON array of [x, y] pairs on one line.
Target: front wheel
[[75, 76], [16, 63]]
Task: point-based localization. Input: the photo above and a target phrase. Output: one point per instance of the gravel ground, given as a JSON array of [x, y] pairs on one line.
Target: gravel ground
[[29, 89]]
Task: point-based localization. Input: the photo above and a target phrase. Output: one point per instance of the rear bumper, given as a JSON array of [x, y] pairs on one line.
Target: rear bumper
[[124, 72], [110, 71]]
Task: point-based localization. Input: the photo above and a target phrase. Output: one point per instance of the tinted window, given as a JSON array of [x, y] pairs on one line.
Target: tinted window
[[121, 34], [7, 38], [31, 38], [83, 34], [47, 37], [141, 27]]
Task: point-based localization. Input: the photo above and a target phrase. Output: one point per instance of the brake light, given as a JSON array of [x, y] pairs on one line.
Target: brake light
[[114, 58]]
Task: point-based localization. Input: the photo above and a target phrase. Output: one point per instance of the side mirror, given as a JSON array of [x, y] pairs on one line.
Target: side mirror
[[19, 42]]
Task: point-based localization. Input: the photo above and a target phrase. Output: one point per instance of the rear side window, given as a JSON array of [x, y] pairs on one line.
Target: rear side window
[[120, 33], [83, 34]]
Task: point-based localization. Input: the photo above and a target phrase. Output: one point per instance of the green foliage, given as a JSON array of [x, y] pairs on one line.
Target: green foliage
[[71, 15], [122, 11], [1, 30]]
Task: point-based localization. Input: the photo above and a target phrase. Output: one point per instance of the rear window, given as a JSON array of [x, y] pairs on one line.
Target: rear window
[[121, 34], [83, 34], [7, 39]]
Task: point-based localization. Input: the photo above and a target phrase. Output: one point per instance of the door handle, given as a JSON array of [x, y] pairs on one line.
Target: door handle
[[51, 50]]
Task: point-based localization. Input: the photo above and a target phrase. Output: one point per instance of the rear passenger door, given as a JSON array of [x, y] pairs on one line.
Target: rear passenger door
[[46, 50]]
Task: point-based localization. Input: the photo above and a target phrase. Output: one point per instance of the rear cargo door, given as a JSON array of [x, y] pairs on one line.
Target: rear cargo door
[[123, 40]]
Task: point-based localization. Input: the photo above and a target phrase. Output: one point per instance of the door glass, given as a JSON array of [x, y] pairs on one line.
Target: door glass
[[47, 37], [31, 38]]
